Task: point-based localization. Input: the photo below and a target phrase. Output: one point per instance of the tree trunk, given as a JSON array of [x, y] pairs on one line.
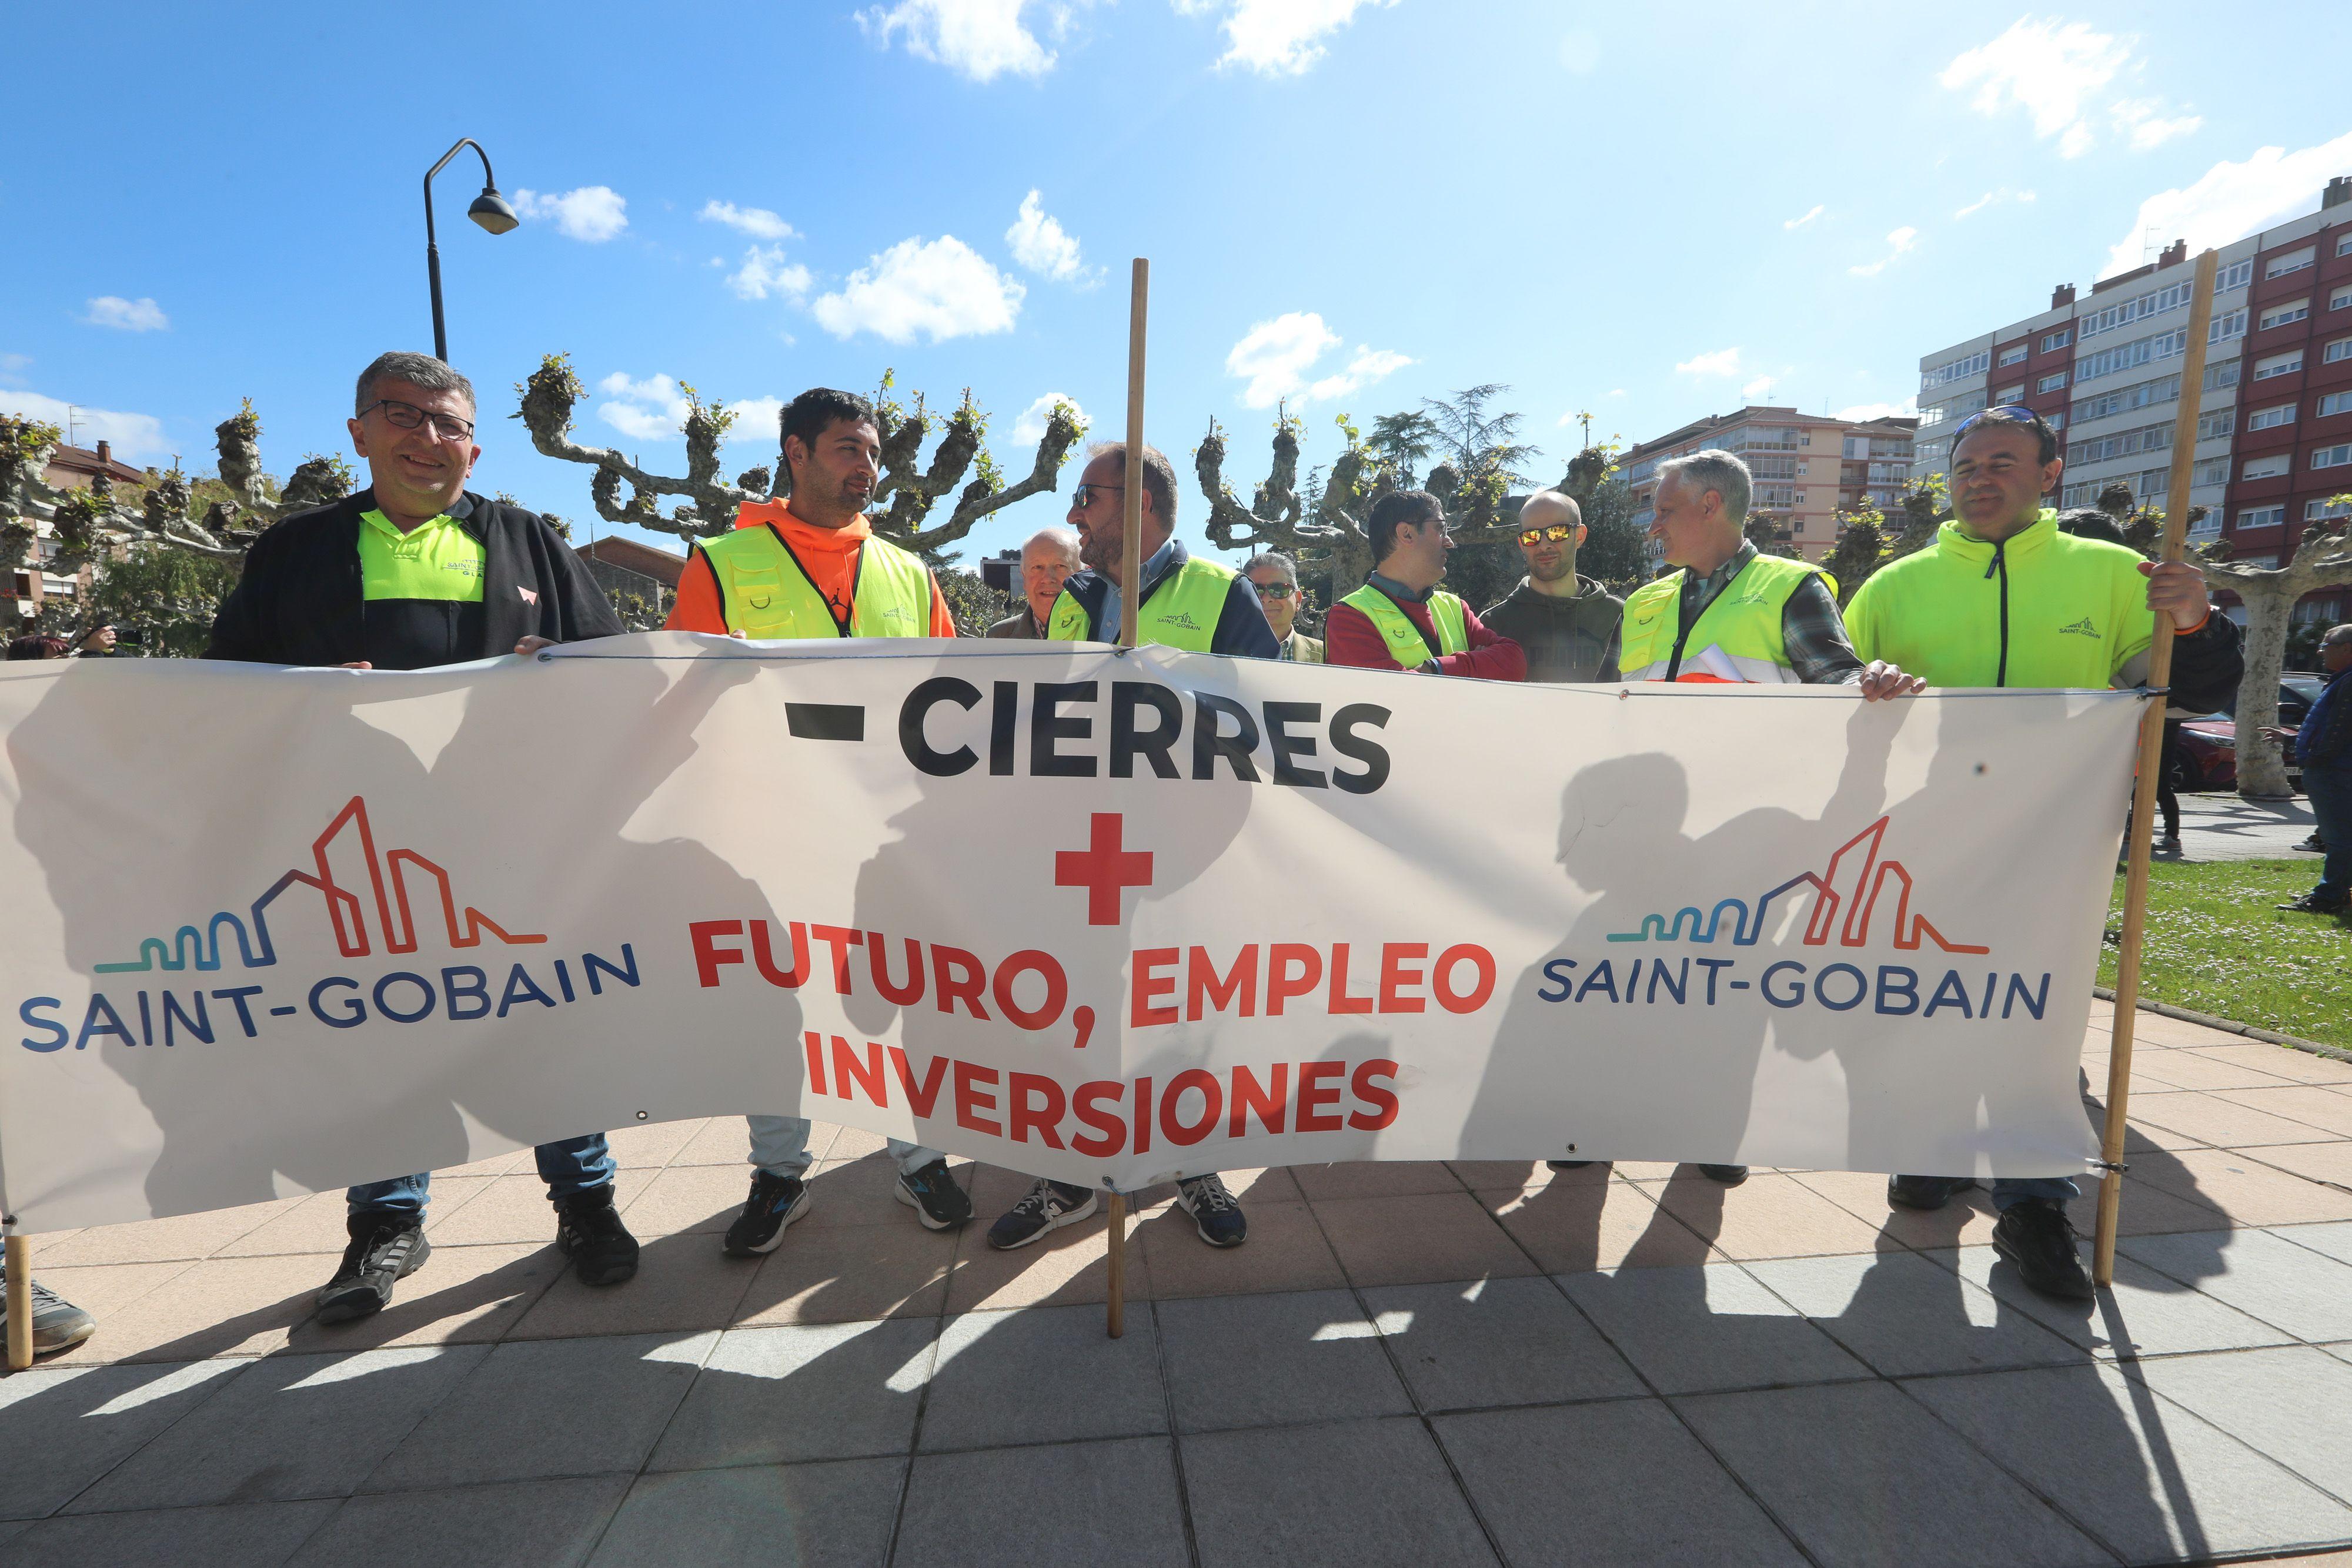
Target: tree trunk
[[2262, 768]]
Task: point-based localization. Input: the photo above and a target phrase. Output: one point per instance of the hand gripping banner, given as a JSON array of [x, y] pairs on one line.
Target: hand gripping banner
[[1108, 917]]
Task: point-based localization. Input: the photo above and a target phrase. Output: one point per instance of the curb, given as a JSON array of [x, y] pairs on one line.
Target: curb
[[2232, 1026]]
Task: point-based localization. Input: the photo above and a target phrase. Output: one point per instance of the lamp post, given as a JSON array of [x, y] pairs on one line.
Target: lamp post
[[489, 209]]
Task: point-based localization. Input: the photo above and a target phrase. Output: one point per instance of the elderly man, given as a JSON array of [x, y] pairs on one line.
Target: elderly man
[[1566, 624], [2004, 599], [416, 572], [1276, 578], [1047, 562], [1399, 619], [2323, 744]]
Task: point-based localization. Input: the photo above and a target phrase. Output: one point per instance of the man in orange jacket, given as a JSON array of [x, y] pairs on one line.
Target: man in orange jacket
[[813, 567]]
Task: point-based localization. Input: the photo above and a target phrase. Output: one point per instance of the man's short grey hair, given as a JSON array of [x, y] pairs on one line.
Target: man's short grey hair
[[1276, 560], [1718, 471], [1065, 540], [417, 371], [2337, 633]]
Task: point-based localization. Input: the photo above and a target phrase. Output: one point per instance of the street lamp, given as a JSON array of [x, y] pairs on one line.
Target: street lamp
[[489, 209]]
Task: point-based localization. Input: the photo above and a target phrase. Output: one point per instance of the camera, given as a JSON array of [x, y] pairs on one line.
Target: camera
[[128, 636]]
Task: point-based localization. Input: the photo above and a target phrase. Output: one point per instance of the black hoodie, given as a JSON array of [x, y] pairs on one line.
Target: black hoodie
[[1567, 638]]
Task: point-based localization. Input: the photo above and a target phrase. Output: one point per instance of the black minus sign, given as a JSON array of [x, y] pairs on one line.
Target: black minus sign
[[283, 1012], [1739, 985], [825, 721]]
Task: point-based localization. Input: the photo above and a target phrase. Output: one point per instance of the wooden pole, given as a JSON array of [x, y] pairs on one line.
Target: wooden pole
[[2151, 760], [1130, 588], [19, 1257]]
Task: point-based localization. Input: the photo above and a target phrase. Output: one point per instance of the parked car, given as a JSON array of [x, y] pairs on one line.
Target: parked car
[[2209, 745]]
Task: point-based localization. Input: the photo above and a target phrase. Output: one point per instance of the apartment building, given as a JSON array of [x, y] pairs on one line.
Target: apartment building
[[2274, 425], [1806, 466]]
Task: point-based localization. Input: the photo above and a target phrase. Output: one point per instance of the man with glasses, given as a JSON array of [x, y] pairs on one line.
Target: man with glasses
[[1567, 624], [2005, 598], [1046, 561], [412, 572], [1276, 578], [1399, 619]]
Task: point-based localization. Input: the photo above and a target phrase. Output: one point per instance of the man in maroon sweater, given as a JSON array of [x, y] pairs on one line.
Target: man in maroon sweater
[[1401, 619]]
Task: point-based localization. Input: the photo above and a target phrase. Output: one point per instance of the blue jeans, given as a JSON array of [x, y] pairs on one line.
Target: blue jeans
[[2329, 790], [779, 1147], [572, 1165]]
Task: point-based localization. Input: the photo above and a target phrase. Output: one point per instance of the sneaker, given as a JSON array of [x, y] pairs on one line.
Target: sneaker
[[1924, 1192], [58, 1323], [775, 1202], [1730, 1176], [1047, 1205], [2035, 1235], [2169, 842], [589, 1231], [385, 1249], [2312, 904], [934, 1196], [2311, 846], [1216, 1213]]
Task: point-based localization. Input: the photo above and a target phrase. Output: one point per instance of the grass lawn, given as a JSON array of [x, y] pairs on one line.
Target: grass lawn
[[2215, 944]]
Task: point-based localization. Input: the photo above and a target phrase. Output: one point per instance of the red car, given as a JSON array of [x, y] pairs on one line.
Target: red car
[[2209, 745]]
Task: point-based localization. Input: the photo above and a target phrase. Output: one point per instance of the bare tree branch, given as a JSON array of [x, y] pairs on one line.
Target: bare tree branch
[[2323, 559]]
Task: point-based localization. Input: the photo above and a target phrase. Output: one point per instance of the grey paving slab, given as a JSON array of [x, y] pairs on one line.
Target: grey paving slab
[[1705, 1327], [1255, 1361], [1369, 1494], [2334, 1239], [2144, 1313], [2303, 1292], [1496, 1341], [522, 1412], [2294, 1404], [819, 1391], [1110, 1503], [249, 1535], [513, 1524], [831, 1515], [292, 1426], [85, 1420], [1618, 1483], [1902, 1314], [1042, 1375], [1863, 1476], [2138, 1473]]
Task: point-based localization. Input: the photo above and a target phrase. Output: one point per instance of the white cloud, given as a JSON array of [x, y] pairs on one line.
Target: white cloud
[[757, 222], [1041, 244], [592, 212], [655, 409], [1279, 37], [1580, 52], [982, 40], [1900, 241], [1722, 363], [1276, 357], [2231, 201], [133, 437], [1616, 391], [764, 272], [2055, 72], [1865, 410], [11, 363], [1758, 389], [1992, 199], [1799, 223], [941, 288], [1030, 428], [758, 418], [141, 314], [2144, 121]]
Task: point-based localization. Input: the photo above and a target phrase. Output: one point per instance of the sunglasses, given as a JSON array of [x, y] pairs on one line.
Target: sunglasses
[[408, 416], [1558, 533], [1084, 496], [1274, 590], [2011, 412]]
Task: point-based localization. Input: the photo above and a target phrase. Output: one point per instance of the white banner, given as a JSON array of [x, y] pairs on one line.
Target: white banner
[[1100, 916]]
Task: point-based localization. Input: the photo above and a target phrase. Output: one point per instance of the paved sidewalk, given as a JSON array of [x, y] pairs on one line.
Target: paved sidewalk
[[2226, 828], [1408, 1364]]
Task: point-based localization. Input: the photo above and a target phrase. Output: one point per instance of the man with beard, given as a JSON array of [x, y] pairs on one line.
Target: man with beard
[[811, 566], [1566, 624]]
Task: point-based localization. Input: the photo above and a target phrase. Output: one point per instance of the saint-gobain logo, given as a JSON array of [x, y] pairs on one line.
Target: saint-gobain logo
[[2081, 628]]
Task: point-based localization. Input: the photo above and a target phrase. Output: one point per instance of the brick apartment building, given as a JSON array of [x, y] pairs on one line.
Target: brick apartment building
[[628, 567], [23, 591], [2275, 431], [1806, 466]]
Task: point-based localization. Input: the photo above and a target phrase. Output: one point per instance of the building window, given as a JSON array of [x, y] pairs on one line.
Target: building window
[[2270, 467], [2215, 426], [2227, 327], [2293, 261], [2341, 300], [2339, 349], [1967, 365], [2208, 526], [2139, 308], [2223, 375], [2051, 382], [2286, 314], [2337, 457], [2344, 243], [2318, 511], [2237, 274], [2053, 341], [2122, 444], [2055, 421], [2122, 400], [2260, 517], [2271, 418], [2334, 404], [2213, 471], [2278, 365], [2010, 393], [2012, 356]]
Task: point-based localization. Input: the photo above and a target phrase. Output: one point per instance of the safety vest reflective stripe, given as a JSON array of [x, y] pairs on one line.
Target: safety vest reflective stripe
[[1738, 637], [1447, 613], [766, 595], [1182, 612]]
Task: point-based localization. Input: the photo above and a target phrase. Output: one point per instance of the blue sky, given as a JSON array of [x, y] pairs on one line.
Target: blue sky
[[1652, 212]]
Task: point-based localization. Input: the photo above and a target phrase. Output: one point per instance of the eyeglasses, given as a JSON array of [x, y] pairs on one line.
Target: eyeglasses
[[1084, 496], [408, 416], [2016, 412], [1274, 590], [1558, 533]]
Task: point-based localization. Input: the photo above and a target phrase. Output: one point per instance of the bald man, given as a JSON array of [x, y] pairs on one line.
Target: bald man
[[1567, 623], [1047, 561]]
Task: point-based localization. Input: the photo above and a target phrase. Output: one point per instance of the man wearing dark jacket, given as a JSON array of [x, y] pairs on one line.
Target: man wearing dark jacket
[[1566, 624], [2323, 745], [410, 573]]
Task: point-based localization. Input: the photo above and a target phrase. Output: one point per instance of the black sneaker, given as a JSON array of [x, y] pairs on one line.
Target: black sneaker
[[1730, 1176], [2310, 846], [2035, 1235], [1216, 1213], [1048, 1206], [934, 1196], [58, 1323], [1924, 1192], [385, 1248], [775, 1202], [2312, 904], [589, 1231], [2170, 843]]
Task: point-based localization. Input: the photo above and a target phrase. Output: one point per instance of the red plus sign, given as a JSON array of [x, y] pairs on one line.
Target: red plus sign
[[1103, 868]]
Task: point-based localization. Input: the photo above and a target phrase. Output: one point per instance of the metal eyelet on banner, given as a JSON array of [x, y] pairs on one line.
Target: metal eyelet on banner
[[641, 1115]]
